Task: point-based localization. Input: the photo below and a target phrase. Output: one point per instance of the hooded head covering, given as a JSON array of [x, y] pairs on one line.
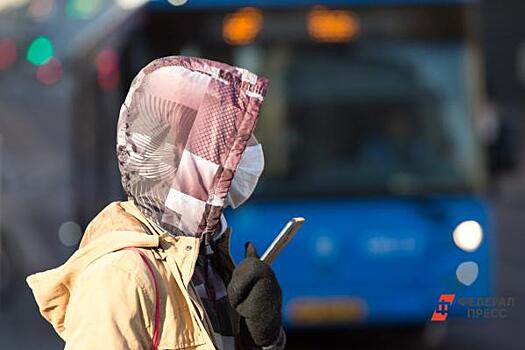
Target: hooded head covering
[[182, 131]]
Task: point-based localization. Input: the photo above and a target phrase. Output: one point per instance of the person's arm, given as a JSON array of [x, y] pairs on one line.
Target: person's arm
[[109, 308], [256, 296]]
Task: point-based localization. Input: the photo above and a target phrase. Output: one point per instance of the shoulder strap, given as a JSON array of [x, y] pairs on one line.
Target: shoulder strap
[[155, 340]]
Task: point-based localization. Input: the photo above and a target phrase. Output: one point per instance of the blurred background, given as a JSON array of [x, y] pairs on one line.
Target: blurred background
[[393, 126]]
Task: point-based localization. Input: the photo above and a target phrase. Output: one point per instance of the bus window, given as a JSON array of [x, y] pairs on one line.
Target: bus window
[[380, 118]]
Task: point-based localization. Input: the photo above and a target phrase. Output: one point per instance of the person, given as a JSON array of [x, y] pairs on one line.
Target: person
[[155, 272]]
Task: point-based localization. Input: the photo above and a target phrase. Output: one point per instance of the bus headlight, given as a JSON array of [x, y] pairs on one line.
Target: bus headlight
[[468, 235]]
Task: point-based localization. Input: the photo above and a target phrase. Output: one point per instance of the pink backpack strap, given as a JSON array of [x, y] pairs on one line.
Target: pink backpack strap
[[155, 340]]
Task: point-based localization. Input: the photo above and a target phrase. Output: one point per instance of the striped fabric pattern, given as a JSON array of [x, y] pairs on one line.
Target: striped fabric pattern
[[212, 292]]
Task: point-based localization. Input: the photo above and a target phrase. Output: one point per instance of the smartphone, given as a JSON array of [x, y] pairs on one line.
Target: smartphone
[[282, 239]]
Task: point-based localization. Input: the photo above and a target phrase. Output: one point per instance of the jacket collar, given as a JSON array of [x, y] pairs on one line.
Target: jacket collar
[[181, 250]]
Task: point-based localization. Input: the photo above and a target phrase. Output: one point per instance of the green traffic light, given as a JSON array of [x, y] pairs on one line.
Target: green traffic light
[[40, 51]]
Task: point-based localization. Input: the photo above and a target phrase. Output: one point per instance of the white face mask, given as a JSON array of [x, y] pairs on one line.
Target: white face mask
[[246, 176]]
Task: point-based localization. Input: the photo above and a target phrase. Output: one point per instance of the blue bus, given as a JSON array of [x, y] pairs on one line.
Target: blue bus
[[372, 138], [369, 131]]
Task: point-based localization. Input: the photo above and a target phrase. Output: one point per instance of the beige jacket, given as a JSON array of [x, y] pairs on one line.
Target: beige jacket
[[103, 297]]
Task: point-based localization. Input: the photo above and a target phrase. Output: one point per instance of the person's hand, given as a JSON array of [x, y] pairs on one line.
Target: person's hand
[[256, 295]]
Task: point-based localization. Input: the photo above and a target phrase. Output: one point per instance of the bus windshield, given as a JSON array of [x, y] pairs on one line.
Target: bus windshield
[[374, 119]]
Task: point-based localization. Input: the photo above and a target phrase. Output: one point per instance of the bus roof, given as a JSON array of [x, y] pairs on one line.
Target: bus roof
[[273, 3]]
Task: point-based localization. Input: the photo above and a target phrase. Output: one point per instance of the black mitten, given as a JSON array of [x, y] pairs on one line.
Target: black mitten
[[256, 295]]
